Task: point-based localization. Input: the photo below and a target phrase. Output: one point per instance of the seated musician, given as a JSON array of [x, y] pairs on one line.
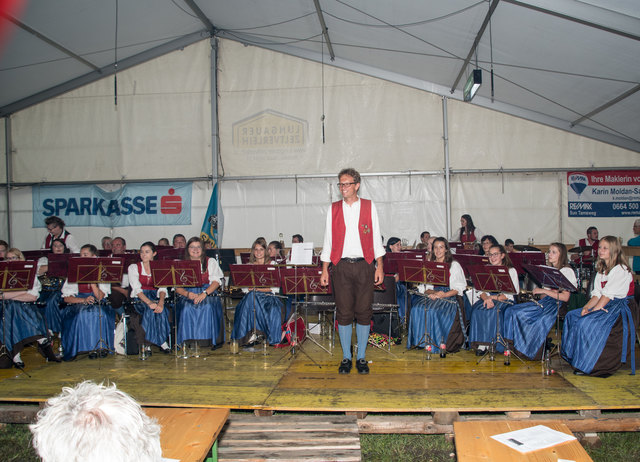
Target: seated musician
[[527, 324], [150, 321], [486, 243], [56, 230], [51, 293], [259, 312], [88, 321], [22, 321], [120, 291], [482, 327], [394, 245], [441, 306], [4, 246], [468, 231], [275, 251], [199, 312], [598, 338], [588, 255]]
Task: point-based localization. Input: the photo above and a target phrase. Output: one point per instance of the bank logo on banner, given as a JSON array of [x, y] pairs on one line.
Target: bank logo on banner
[[606, 193], [136, 204]]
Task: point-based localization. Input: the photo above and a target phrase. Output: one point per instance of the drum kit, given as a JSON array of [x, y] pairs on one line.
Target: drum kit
[[583, 265]]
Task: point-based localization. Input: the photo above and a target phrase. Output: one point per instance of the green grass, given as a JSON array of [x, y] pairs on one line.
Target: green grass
[[15, 446]]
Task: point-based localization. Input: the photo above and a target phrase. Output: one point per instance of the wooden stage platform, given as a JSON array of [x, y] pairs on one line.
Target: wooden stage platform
[[402, 382]]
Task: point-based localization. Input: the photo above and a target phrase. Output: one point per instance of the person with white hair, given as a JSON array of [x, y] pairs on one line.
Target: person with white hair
[[92, 422]]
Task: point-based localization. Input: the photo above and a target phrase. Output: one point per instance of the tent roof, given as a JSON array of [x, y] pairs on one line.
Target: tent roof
[[570, 64]]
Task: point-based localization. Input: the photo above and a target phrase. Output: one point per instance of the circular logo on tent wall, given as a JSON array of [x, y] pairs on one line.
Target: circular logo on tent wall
[[578, 181]]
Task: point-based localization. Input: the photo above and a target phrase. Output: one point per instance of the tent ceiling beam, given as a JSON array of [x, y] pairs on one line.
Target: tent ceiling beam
[[201, 16], [607, 105], [105, 71], [325, 31], [574, 19], [476, 41], [49, 41]]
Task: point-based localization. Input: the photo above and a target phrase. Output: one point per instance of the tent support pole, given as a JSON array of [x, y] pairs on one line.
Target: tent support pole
[[7, 154], [447, 170], [215, 129]]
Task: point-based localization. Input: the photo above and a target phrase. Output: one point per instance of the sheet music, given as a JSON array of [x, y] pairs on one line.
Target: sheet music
[[533, 438], [301, 253]]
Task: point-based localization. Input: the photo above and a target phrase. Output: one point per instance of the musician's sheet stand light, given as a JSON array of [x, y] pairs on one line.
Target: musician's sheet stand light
[[14, 276], [177, 273], [254, 277], [494, 279], [100, 270], [424, 272], [547, 276], [302, 281]]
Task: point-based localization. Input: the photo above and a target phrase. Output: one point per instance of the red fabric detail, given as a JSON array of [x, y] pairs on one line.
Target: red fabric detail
[[63, 235], [204, 277], [338, 230], [289, 330], [470, 238], [84, 289], [631, 288], [145, 280]]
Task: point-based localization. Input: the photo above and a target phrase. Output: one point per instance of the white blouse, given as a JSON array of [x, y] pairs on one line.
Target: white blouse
[[613, 285]]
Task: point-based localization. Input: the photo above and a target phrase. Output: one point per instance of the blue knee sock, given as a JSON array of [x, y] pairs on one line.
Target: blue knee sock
[[362, 335], [344, 332]]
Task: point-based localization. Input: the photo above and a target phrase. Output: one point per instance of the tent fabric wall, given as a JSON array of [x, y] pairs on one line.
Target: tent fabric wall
[[160, 128], [406, 207], [370, 123], [480, 138]]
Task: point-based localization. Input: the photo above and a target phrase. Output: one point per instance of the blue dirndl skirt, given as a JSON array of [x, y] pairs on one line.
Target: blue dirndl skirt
[[156, 325]]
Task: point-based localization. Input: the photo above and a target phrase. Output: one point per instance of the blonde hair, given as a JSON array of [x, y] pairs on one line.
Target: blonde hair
[[17, 253], [616, 256]]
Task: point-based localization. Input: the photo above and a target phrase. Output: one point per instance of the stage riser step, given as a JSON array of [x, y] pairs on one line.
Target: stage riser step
[[289, 437]]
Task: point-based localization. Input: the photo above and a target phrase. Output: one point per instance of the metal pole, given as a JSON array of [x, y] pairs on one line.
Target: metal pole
[[447, 171], [7, 153], [215, 130]]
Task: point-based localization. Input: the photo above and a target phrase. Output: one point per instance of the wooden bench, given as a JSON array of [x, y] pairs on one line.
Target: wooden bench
[[189, 433], [474, 442]]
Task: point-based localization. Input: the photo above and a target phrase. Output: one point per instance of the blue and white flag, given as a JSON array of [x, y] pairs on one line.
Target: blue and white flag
[[210, 225]]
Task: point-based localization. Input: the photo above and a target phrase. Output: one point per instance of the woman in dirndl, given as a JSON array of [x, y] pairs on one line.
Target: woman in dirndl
[[148, 302], [487, 306], [199, 310], [526, 325], [51, 293], [260, 312], [598, 339], [441, 305]]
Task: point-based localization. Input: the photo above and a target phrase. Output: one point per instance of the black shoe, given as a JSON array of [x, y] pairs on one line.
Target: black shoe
[[166, 351], [480, 352], [577, 372], [362, 366], [18, 364], [103, 353], [46, 350], [93, 355], [345, 366], [216, 346]]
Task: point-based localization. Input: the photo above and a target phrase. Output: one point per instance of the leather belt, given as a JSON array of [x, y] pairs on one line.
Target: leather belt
[[352, 260]]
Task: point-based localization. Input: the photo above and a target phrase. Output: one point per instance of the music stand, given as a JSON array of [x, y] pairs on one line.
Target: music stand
[[424, 272], [548, 276], [14, 276], [488, 278], [96, 270], [303, 281], [176, 273], [169, 253], [254, 277]]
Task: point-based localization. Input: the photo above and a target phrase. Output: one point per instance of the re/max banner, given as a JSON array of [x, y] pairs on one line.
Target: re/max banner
[[136, 204], [604, 193]]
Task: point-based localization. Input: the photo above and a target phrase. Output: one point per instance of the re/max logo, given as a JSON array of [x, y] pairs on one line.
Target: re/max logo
[[138, 205]]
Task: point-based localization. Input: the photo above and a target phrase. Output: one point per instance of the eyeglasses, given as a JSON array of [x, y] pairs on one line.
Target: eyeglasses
[[494, 254], [194, 247], [344, 185], [12, 258]]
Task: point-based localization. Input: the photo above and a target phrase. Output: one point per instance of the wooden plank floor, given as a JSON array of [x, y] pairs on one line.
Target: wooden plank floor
[[400, 383]]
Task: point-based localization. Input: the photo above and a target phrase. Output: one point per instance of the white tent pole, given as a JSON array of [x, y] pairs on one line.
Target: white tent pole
[[7, 154], [215, 129], [447, 171]]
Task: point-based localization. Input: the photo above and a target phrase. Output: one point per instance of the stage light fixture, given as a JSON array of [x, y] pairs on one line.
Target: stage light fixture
[[473, 84]]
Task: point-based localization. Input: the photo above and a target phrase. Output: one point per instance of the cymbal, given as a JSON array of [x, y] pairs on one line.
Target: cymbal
[[584, 248], [526, 248]]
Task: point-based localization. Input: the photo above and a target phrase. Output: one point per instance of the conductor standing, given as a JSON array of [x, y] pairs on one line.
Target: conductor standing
[[352, 243]]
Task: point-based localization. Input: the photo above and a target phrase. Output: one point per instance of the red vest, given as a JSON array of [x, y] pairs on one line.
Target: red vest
[[85, 289], [338, 230], [204, 276], [470, 238], [63, 236], [145, 281]]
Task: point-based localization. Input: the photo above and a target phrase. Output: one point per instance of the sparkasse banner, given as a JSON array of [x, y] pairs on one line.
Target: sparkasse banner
[[605, 193], [135, 204]]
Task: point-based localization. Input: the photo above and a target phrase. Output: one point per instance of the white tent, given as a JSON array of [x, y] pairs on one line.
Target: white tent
[[383, 106]]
